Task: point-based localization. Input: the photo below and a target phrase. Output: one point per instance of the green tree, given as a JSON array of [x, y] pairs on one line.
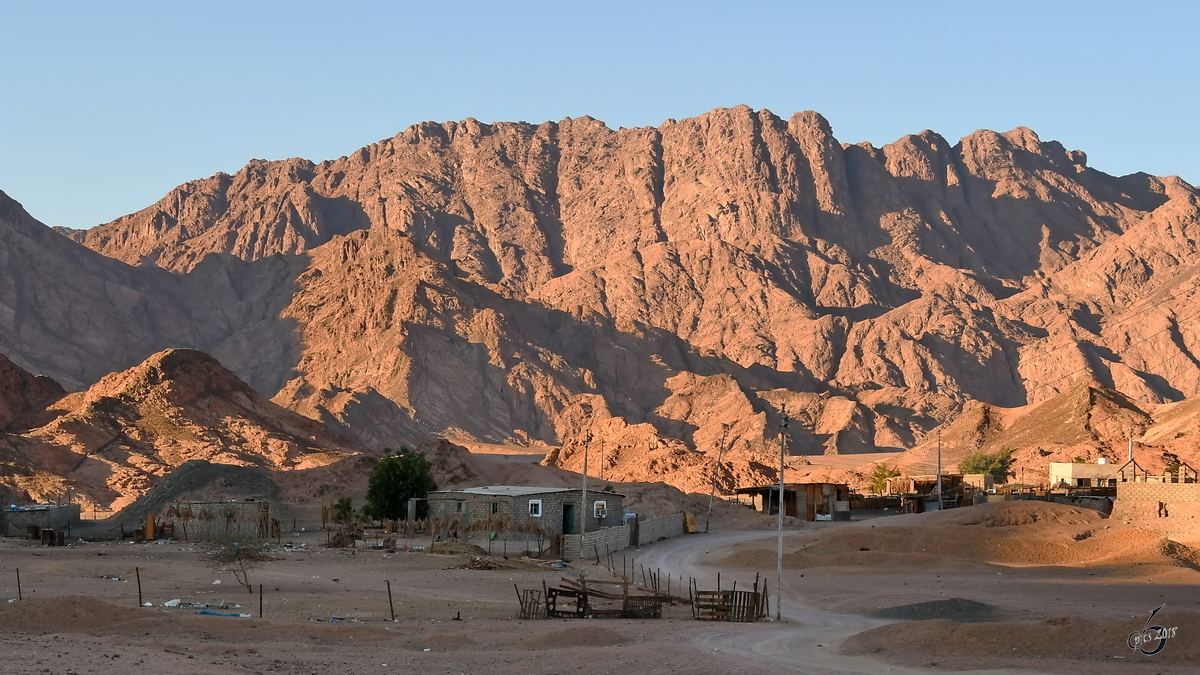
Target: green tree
[[998, 463], [343, 511], [879, 476], [396, 479]]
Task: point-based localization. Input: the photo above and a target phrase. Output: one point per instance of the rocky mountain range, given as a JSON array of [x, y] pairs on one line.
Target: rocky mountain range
[[661, 288]]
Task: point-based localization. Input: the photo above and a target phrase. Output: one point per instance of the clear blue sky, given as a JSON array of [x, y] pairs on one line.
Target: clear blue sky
[[104, 107]]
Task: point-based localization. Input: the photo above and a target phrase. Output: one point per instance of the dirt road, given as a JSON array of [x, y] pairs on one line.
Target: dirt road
[[807, 639]]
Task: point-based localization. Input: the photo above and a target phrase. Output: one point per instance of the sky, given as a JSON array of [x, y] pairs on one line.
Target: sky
[[105, 107]]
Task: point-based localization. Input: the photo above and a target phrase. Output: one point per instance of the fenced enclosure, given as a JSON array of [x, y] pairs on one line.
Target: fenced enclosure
[[731, 605], [221, 521]]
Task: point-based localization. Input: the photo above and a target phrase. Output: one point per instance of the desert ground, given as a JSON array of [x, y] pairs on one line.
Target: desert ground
[[1028, 587]]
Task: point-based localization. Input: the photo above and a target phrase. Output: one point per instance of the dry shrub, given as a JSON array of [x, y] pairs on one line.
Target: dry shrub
[[239, 558]]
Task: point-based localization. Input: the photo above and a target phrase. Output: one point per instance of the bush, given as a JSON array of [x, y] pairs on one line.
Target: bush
[[239, 558], [998, 463], [395, 480]]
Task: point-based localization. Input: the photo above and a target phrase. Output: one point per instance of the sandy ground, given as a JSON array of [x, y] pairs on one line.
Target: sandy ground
[[326, 611]]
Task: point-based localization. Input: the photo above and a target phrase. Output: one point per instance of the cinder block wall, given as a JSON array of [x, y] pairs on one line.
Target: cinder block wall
[[603, 540], [16, 523], [1138, 504], [653, 528], [1158, 492]]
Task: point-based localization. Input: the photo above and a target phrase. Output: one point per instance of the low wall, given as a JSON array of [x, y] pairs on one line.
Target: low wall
[[604, 540], [609, 539], [653, 528]]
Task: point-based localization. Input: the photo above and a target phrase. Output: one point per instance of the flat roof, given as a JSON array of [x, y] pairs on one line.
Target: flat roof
[[517, 491], [775, 486]]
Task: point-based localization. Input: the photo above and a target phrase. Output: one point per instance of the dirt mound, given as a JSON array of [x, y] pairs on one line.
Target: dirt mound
[[1015, 533], [953, 609], [1084, 639], [590, 635], [198, 480], [68, 613], [1018, 514]]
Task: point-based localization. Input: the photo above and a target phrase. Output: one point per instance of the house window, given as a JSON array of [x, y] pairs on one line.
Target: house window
[[458, 506], [599, 509], [535, 508], [495, 508]]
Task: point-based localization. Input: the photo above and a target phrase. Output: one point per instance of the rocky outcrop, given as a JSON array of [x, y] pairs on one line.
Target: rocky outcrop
[[111, 443], [24, 396]]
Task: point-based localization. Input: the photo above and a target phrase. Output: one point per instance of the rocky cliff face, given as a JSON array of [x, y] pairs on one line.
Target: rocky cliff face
[[517, 282]]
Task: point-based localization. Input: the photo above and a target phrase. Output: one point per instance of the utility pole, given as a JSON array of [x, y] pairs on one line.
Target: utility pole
[[602, 462], [587, 436], [783, 426], [939, 484], [716, 470], [1130, 444]]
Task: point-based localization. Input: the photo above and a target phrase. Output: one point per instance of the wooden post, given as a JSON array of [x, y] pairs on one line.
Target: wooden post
[[138, 572], [718, 581], [260, 603], [393, 607], [691, 598], [19, 596]]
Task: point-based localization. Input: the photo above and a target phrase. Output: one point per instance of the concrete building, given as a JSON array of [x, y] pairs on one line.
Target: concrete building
[[543, 510], [1080, 475], [16, 521], [810, 501]]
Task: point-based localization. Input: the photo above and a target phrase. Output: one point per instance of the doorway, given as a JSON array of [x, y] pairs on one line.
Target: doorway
[[568, 524]]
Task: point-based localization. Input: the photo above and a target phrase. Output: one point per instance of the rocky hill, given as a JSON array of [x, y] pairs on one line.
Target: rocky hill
[[663, 287], [111, 443]]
